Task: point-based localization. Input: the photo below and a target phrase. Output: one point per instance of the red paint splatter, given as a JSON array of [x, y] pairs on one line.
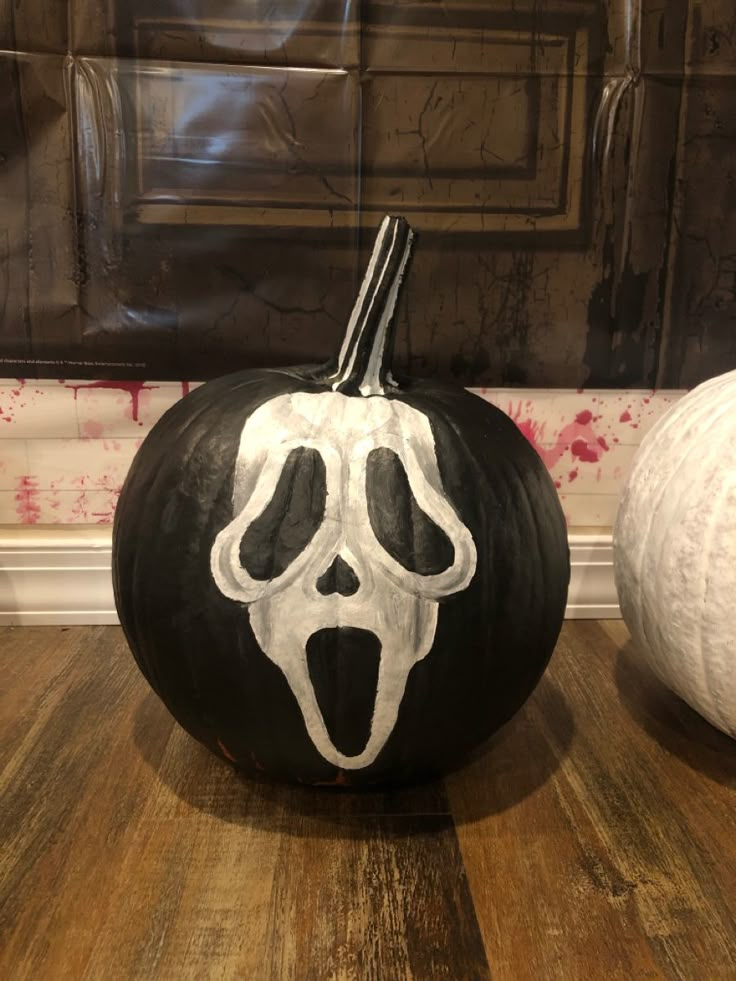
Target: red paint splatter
[[133, 389], [602, 442], [573, 475], [527, 427], [80, 506], [647, 401], [584, 451], [93, 429], [577, 436], [558, 484], [226, 752], [185, 389], [625, 416], [584, 417], [26, 498], [532, 431]]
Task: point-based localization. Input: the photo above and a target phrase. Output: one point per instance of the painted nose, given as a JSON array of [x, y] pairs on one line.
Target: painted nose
[[339, 578]]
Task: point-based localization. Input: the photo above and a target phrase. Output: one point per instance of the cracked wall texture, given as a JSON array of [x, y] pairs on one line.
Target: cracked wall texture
[[187, 187]]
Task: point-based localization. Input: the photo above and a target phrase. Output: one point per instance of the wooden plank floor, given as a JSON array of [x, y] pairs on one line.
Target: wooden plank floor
[[595, 838]]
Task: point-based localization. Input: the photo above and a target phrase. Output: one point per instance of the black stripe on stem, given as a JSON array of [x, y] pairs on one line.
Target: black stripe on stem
[[363, 363]]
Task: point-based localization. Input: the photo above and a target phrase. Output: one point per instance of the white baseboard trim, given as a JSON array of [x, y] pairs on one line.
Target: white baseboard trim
[[58, 575], [62, 575], [592, 594]]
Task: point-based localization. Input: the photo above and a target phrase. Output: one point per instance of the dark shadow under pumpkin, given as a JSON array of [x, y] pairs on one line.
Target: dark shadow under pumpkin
[[512, 765], [670, 721]]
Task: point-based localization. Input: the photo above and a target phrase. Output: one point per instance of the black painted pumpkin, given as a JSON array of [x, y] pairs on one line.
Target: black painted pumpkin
[[335, 576]]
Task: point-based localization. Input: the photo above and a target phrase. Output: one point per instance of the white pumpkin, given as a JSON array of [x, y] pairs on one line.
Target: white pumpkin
[[675, 550]]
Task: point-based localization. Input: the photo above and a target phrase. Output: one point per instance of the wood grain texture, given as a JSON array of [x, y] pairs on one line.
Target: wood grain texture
[[595, 838], [617, 859], [131, 852]]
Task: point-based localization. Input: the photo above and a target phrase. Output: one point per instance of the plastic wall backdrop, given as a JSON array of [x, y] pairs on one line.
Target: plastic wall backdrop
[[187, 187]]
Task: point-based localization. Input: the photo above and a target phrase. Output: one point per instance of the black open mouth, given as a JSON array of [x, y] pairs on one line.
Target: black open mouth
[[343, 668]]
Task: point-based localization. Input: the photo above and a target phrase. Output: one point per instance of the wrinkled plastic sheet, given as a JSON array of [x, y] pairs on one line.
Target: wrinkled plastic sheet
[[189, 187]]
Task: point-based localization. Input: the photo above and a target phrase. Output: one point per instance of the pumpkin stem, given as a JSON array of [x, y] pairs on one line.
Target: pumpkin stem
[[362, 365]]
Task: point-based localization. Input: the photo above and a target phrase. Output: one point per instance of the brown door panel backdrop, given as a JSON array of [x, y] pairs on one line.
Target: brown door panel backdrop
[[187, 186]]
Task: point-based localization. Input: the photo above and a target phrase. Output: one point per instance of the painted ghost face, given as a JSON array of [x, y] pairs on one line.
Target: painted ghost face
[[288, 605]]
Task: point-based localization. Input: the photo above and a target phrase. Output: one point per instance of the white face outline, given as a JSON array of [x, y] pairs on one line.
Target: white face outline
[[400, 607]]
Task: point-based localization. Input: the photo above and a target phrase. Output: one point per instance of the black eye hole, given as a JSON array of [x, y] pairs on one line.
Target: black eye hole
[[291, 518], [403, 529]]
